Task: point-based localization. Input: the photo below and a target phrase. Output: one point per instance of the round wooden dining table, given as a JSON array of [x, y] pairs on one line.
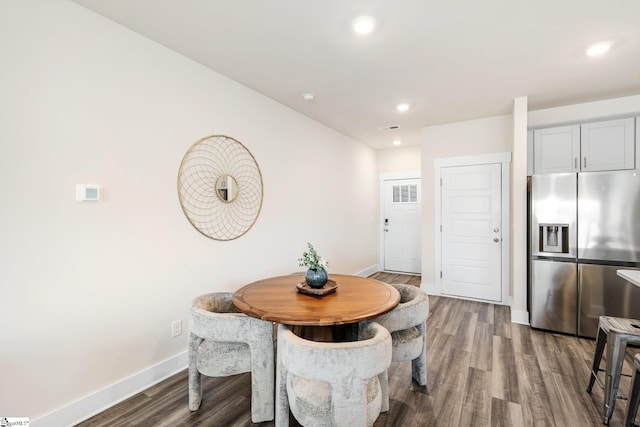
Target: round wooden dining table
[[331, 317]]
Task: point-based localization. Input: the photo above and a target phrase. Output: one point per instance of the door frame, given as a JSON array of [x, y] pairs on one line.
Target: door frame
[[505, 171], [382, 179]]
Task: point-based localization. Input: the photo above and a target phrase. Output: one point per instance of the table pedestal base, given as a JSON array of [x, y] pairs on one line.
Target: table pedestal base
[[333, 333]]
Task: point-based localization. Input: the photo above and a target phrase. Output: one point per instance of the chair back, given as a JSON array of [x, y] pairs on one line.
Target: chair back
[[337, 361], [215, 318], [412, 310]]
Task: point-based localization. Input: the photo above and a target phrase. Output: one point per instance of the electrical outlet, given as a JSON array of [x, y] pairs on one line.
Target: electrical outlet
[[176, 328]]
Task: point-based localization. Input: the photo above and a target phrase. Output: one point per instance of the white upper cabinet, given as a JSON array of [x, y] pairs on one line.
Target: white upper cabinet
[[608, 145], [597, 146], [556, 149]]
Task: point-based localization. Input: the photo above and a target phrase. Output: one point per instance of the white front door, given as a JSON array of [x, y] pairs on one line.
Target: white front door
[[401, 224], [471, 231]]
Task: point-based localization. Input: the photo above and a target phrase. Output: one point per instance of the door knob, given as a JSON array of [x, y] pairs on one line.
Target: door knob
[[495, 230], [495, 239]]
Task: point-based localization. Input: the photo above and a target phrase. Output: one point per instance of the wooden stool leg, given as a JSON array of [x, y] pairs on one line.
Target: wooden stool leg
[[601, 340], [634, 399], [615, 357]]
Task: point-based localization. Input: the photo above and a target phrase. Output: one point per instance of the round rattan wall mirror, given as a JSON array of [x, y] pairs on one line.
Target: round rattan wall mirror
[[220, 187]]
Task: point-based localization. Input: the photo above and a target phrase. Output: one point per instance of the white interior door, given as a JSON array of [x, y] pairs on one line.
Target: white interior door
[[402, 226], [471, 204]]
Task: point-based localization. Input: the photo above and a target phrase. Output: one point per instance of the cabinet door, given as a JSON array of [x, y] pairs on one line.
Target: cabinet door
[[602, 292], [556, 149], [608, 145], [554, 296]]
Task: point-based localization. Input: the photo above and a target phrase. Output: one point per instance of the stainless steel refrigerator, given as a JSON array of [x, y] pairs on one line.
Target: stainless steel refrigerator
[[584, 227]]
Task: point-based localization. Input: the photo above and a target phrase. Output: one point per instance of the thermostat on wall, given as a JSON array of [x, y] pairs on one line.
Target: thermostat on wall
[[85, 192]]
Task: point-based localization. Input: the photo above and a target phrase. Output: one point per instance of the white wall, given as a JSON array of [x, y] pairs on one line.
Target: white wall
[[469, 138], [585, 111], [399, 159], [89, 290], [518, 285]]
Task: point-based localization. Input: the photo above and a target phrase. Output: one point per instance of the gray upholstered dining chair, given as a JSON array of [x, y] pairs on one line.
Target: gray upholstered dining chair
[[407, 323], [226, 342], [331, 383]]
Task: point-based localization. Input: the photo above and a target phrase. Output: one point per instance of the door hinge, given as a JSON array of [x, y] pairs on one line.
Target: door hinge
[[441, 274], [441, 228], [440, 182]]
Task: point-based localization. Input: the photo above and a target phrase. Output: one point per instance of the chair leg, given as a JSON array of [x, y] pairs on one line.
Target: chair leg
[[601, 340], [384, 390], [634, 400], [195, 377], [419, 364], [615, 358], [282, 399], [262, 383]]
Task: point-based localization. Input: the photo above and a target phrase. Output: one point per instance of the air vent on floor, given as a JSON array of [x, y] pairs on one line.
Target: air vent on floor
[[392, 127]]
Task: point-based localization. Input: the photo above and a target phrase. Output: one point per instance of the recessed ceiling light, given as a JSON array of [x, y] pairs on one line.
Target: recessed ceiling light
[[598, 48], [308, 96], [397, 142], [363, 25], [402, 107]]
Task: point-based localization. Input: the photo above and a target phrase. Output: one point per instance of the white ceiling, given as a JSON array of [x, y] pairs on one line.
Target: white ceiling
[[450, 60]]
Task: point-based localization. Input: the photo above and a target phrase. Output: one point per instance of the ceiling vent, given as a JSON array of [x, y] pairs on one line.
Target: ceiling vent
[[392, 127]]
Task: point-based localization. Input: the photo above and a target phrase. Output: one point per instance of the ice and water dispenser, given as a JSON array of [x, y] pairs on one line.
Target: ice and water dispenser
[[554, 238]]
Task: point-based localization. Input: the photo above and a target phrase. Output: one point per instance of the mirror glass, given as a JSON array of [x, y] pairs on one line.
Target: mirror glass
[[226, 188]]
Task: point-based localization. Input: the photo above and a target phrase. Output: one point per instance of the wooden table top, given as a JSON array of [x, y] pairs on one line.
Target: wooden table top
[[277, 300]]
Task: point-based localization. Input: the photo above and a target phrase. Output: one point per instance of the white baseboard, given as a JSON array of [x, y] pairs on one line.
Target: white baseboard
[[521, 317], [368, 271], [97, 402]]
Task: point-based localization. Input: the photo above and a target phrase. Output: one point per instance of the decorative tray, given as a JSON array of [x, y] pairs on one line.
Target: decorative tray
[[330, 287]]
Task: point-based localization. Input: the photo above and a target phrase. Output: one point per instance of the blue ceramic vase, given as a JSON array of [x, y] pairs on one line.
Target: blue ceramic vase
[[316, 277]]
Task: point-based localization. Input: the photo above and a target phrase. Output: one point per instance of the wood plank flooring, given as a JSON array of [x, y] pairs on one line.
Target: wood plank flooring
[[482, 371]]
